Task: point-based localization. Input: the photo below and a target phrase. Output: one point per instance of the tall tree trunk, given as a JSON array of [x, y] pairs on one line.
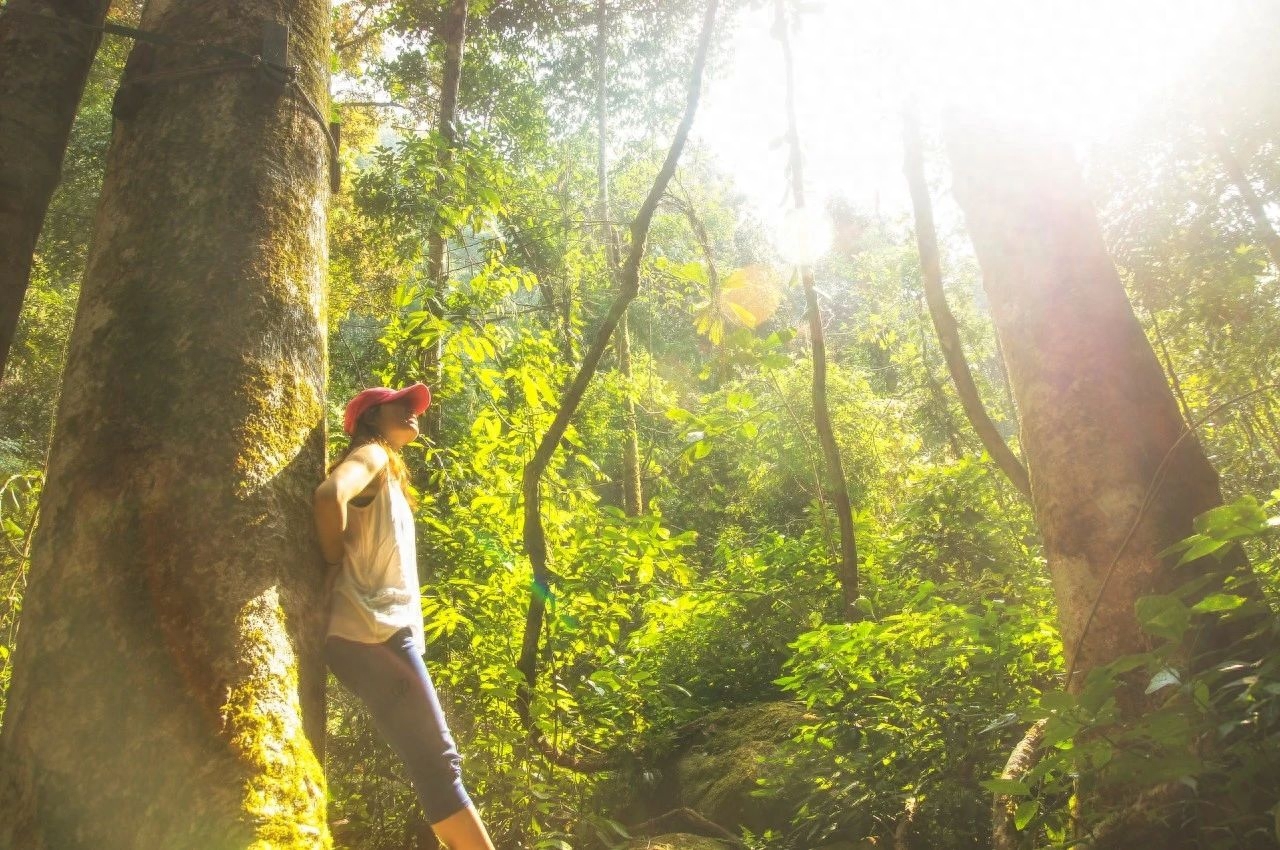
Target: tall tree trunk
[[943, 320], [168, 679], [43, 67], [534, 537], [847, 570], [1117, 476], [453, 35], [632, 494], [1114, 478], [632, 487], [1263, 230]]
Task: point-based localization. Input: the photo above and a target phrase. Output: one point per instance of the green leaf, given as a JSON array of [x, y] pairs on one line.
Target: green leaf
[[1006, 787], [1163, 616], [1200, 548], [1057, 701], [1166, 677], [742, 314], [1218, 602], [1026, 811]]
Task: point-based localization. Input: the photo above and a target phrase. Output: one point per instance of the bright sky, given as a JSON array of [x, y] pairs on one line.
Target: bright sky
[[1088, 64]]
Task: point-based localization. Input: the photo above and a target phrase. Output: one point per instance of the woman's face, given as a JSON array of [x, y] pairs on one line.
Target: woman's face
[[396, 422]]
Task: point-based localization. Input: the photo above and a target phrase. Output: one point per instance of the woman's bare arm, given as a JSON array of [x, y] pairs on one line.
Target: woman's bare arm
[[347, 481]]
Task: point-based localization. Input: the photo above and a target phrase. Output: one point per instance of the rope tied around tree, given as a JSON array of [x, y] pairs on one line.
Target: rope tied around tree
[[272, 62]]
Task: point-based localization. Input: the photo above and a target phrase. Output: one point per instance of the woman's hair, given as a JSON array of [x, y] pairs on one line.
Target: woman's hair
[[366, 433]]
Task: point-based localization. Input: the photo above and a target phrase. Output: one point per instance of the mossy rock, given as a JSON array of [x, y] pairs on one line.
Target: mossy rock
[[717, 777], [677, 841]]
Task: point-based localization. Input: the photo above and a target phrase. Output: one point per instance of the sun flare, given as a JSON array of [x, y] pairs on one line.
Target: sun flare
[[1090, 68]]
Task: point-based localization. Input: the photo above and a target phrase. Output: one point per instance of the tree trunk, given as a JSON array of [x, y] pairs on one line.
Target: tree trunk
[[168, 680], [453, 34], [847, 570], [43, 67], [632, 489], [1114, 478], [632, 494], [943, 320], [1263, 230]]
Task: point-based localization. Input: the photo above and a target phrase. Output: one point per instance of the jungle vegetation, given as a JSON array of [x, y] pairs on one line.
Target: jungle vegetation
[[943, 520]]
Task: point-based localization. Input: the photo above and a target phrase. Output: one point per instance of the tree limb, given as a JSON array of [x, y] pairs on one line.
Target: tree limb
[[1024, 757], [535, 542], [944, 322]]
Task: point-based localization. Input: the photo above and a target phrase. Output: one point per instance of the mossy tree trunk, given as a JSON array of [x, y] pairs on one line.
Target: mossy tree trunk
[[1114, 480], [168, 680], [44, 63]]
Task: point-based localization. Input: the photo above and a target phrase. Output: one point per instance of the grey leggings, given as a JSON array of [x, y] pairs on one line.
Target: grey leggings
[[392, 681]]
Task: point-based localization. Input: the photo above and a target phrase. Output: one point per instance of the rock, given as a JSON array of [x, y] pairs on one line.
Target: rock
[[677, 841], [718, 775]]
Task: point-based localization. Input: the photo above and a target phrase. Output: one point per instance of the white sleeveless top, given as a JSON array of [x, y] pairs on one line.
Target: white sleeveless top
[[376, 593]]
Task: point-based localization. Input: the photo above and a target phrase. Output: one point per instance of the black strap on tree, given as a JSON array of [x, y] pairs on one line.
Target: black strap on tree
[[272, 62]]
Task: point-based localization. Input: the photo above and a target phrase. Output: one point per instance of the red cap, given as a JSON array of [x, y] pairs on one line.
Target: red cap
[[374, 396]]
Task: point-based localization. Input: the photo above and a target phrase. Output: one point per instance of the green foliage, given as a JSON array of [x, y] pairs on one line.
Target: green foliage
[[912, 706], [722, 594], [1210, 721], [19, 506]]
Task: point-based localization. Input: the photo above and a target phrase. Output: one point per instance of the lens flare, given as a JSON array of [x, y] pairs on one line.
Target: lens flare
[[804, 236]]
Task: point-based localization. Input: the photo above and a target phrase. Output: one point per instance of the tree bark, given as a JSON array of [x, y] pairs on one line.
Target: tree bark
[[535, 540], [632, 494], [847, 569], [168, 680], [43, 67], [1115, 480], [632, 487], [944, 322]]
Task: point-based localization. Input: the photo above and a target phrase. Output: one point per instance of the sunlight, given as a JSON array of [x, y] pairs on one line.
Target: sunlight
[[1088, 67], [804, 236]]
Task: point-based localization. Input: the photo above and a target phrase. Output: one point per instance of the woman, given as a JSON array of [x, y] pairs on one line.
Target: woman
[[375, 641]]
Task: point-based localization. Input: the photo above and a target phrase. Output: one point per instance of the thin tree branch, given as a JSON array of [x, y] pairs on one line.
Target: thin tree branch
[[847, 569], [535, 541], [944, 322]]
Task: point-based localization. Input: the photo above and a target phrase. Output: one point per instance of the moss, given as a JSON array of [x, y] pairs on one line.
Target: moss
[[284, 413], [719, 777], [284, 797]]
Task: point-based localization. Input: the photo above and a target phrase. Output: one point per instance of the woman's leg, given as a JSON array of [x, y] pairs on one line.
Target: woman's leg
[[392, 681], [463, 831]]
